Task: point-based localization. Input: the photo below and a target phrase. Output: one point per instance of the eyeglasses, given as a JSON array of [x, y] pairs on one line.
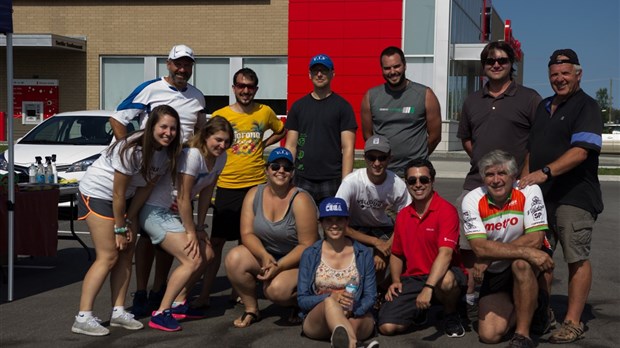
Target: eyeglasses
[[381, 158], [423, 180], [276, 166], [492, 61], [245, 85]]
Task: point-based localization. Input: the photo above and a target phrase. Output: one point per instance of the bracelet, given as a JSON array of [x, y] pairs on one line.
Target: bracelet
[[120, 230], [432, 287]]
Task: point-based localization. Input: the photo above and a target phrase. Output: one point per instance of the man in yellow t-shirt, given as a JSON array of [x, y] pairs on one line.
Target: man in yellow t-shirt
[[245, 166]]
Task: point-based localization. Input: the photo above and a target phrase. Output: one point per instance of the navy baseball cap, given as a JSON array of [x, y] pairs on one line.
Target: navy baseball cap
[[333, 206], [278, 153], [322, 59], [571, 57]]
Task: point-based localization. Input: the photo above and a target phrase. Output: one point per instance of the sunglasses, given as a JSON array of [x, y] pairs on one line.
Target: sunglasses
[[276, 166], [372, 158], [245, 85], [492, 61], [423, 180]]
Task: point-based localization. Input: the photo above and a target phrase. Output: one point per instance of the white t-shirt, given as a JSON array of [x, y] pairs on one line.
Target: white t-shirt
[[524, 213], [367, 202], [98, 181], [189, 103], [190, 162]]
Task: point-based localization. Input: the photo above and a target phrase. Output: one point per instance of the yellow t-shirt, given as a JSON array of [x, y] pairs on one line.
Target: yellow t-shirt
[[245, 165]]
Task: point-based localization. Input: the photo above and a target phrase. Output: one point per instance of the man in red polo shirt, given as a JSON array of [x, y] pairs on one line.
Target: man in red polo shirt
[[426, 235]]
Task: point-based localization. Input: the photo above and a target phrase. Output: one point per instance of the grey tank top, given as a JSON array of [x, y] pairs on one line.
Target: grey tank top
[[278, 237], [401, 117]]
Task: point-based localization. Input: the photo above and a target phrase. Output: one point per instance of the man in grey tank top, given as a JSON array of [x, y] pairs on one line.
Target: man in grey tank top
[[405, 112]]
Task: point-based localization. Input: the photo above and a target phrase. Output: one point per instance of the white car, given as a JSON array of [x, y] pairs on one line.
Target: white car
[[77, 139]]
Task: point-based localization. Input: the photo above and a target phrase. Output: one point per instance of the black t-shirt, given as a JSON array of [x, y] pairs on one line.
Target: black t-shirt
[[576, 122], [319, 123]]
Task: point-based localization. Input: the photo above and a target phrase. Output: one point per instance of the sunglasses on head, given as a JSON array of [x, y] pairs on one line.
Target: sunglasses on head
[[372, 158], [423, 180], [276, 166], [492, 61], [245, 85]]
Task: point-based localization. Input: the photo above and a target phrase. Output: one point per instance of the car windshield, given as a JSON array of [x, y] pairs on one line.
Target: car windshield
[[71, 130]]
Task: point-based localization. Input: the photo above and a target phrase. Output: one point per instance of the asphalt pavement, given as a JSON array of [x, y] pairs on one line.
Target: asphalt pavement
[[46, 299]]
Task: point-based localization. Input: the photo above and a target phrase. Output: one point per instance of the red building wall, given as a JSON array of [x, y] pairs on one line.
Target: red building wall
[[353, 33]]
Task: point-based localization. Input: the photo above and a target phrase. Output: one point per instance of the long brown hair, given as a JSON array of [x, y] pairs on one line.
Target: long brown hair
[[147, 141], [214, 124]]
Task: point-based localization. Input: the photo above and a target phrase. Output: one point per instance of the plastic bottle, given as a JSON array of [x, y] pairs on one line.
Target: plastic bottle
[[32, 174], [49, 175], [352, 287], [54, 170], [40, 171]]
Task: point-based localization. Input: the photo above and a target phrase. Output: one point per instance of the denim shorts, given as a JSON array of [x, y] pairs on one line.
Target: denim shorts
[[157, 221]]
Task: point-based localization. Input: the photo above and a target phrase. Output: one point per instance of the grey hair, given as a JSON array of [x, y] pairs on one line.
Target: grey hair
[[498, 158], [577, 68]]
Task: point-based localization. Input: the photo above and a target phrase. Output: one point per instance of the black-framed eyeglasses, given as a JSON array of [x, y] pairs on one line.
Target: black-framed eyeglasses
[[412, 180], [501, 61], [276, 166], [381, 158], [245, 85]]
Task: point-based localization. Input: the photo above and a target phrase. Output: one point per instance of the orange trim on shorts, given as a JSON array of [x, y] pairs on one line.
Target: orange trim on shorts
[[86, 200]]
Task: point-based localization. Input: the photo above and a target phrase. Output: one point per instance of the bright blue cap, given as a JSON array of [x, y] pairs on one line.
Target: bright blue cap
[[322, 59], [280, 152], [333, 206]]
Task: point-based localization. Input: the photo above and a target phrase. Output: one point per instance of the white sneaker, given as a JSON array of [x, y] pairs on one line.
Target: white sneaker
[[92, 327], [126, 321]]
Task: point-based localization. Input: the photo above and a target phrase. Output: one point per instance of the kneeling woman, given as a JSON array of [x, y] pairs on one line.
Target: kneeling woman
[[325, 269], [278, 221], [199, 166], [108, 183]]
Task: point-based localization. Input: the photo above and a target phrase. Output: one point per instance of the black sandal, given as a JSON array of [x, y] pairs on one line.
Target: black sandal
[[253, 319]]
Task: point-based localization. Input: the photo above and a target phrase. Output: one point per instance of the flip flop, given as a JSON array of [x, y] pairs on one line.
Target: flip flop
[[242, 323]]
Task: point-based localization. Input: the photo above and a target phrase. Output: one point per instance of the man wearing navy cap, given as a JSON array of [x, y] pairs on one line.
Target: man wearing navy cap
[[564, 145], [321, 134]]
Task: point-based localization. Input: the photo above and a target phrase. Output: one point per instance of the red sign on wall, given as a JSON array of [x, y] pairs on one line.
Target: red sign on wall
[[38, 97]]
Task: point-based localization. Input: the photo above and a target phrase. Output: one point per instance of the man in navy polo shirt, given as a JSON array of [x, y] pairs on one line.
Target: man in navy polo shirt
[[564, 145]]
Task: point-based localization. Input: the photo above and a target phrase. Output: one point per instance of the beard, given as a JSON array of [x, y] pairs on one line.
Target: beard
[[401, 81]]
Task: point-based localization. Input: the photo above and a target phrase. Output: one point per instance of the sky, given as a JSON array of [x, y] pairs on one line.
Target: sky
[[591, 28]]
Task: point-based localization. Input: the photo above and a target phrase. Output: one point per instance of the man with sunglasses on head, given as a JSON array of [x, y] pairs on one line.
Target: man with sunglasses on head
[[506, 227], [244, 169], [498, 116], [425, 265], [321, 134], [369, 192], [176, 91], [405, 112]]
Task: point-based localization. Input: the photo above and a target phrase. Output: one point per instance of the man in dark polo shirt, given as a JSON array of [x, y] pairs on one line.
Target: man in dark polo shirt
[[564, 145], [498, 116]]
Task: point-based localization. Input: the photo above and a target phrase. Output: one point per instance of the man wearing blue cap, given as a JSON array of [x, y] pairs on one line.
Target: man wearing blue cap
[[321, 134]]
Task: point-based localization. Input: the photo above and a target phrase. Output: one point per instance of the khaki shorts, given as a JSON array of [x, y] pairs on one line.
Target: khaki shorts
[[573, 228]]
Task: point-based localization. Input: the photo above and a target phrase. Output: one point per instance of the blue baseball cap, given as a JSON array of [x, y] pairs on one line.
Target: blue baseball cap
[[278, 153], [333, 206], [322, 59]]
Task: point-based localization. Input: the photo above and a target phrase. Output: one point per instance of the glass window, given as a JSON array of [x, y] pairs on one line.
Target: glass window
[[119, 76], [272, 78], [419, 26]]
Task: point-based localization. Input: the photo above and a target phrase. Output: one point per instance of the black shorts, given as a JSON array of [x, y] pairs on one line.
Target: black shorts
[[89, 205], [402, 309], [497, 282], [227, 213]]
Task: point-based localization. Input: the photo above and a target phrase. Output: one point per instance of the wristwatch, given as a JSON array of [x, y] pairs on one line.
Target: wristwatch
[[547, 171]]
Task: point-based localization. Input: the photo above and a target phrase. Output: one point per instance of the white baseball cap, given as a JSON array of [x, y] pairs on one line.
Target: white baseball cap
[[180, 51]]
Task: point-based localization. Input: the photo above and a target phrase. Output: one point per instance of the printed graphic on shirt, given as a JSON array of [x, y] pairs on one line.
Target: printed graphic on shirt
[[247, 142]]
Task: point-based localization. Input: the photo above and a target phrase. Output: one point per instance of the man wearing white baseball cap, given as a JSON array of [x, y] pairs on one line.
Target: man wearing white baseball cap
[[175, 91]]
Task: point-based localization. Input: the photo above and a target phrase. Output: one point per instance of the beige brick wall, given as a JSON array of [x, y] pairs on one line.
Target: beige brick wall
[[138, 27]]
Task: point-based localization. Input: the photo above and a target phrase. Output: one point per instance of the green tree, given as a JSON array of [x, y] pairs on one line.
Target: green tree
[[602, 97]]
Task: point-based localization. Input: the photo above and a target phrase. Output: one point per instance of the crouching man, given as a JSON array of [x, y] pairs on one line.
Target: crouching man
[[506, 230]]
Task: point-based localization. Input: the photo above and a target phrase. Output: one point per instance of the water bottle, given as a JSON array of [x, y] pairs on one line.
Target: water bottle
[[54, 170], [352, 287], [32, 174], [40, 171], [49, 176]]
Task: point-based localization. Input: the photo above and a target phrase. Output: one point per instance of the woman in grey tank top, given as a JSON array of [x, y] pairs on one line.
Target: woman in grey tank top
[[278, 221]]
